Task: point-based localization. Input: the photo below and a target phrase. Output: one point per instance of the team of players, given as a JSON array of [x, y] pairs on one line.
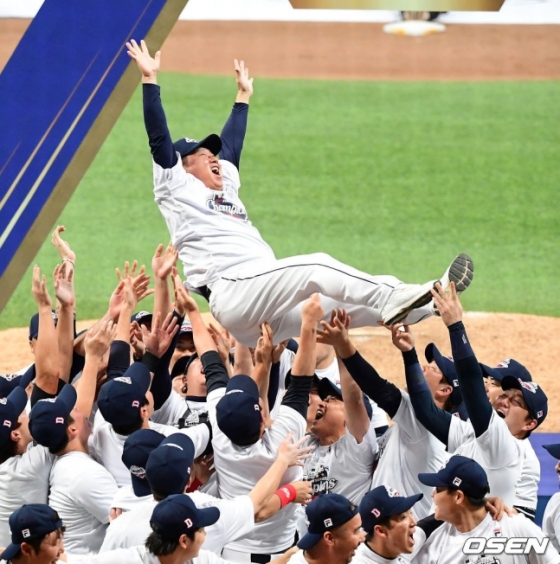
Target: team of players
[[271, 443]]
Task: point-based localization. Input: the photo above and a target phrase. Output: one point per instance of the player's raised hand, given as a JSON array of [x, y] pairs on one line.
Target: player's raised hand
[[64, 285], [244, 83], [292, 454], [222, 340], [136, 340], [148, 65], [401, 335], [99, 337], [304, 492], [312, 311], [335, 333], [278, 350], [62, 246], [184, 302], [157, 340], [263, 352], [39, 289], [164, 261], [448, 304]]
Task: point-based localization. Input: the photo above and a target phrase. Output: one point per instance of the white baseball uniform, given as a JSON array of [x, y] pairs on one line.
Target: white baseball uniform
[[445, 544], [222, 250], [365, 555], [551, 520]]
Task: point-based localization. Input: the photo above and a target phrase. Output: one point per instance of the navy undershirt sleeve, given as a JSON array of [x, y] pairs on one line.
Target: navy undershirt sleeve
[[233, 134], [435, 419], [214, 370], [471, 379], [297, 394], [273, 383], [381, 391], [159, 137], [119, 359]]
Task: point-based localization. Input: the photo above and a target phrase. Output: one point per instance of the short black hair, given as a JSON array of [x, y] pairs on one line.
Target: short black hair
[[127, 430], [385, 522], [35, 542], [160, 547], [474, 501], [250, 440]]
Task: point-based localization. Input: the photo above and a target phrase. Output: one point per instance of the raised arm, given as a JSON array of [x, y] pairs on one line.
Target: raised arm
[[469, 374], [233, 133], [263, 363], [159, 137], [64, 292], [355, 413]]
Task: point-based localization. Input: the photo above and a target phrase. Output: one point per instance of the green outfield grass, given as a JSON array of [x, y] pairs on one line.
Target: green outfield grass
[[393, 178]]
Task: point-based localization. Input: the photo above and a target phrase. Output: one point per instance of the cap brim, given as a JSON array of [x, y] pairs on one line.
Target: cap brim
[[405, 503], [140, 375], [213, 143], [11, 551], [245, 384], [491, 372], [326, 388], [18, 399], [68, 397], [553, 450], [208, 516], [140, 487], [433, 480], [309, 540]]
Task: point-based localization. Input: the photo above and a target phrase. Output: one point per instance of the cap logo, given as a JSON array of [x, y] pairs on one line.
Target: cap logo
[[142, 313], [450, 358], [392, 493], [59, 420], [188, 523], [328, 522], [455, 383], [8, 377], [3, 401], [135, 403], [138, 471], [503, 364], [189, 140], [49, 400], [539, 414], [457, 481], [7, 423], [123, 379], [530, 386], [257, 408], [234, 392], [376, 513], [173, 445], [25, 533]]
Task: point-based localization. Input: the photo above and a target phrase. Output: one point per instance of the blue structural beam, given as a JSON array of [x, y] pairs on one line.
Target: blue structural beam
[[60, 94]]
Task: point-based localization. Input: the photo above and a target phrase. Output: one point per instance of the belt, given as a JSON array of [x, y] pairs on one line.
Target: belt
[[261, 558], [205, 292]]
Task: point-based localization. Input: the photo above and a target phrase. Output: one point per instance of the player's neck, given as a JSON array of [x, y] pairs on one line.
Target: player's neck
[[467, 520], [75, 446], [327, 439], [377, 546]]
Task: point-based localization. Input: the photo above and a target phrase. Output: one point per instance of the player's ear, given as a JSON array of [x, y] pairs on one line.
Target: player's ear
[[530, 424]]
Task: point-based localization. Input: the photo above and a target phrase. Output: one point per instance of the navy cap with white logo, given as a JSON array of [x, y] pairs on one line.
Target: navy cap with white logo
[[31, 521], [533, 394], [11, 408], [324, 513], [168, 469], [447, 366], [10, 381], [141, 317], [461, 473], [137, 449], [326, 387], [508, 367], [186, 146], [120, 399], [383, 502], [238, 413], [177, 515], [47, 420]]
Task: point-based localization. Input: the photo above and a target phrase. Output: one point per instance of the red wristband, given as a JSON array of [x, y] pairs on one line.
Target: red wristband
[[286, 494]]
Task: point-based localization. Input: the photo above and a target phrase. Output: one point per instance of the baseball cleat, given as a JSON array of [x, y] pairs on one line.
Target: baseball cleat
[[409, 297]]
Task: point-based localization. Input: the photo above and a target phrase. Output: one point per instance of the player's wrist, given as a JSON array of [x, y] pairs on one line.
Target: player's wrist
[[286, 494]]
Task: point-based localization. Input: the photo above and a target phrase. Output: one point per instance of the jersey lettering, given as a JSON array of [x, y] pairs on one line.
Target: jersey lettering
[[220, 204]]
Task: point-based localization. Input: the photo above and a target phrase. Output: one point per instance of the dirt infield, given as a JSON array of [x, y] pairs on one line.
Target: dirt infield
[[363, 51]]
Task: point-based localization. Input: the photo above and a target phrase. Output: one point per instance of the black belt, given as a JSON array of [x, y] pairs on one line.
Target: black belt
[[205, 292], [261, 558]]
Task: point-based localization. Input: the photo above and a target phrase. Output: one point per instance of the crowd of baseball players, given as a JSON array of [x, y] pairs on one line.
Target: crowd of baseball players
[[156, 437]]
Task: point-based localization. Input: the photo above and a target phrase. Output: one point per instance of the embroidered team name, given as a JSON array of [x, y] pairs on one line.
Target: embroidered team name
[[220, 204]]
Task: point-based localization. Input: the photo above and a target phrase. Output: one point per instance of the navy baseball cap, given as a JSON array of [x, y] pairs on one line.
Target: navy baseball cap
[[508, 367], [186, 328], [178, 515], [47, 421], [327, 388], [9, 382], [120, 399], [382, 502], [169, 465], [324, 513], [553, 450], [533, 394], [447, 366], [187, 146], [461, 473], [238, 413], [141, 317], [34, 324], [137, 449], [30, 522], [11, 408]]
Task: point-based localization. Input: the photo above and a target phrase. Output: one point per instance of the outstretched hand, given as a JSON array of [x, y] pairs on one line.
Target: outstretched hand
[[39, 289], [184, 302], [292, 453], [312, 310], [148, 65], [401, 336], [244, 83], [164, 261], [157, 340], [448, 304], [64, 284], [62, 246]]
